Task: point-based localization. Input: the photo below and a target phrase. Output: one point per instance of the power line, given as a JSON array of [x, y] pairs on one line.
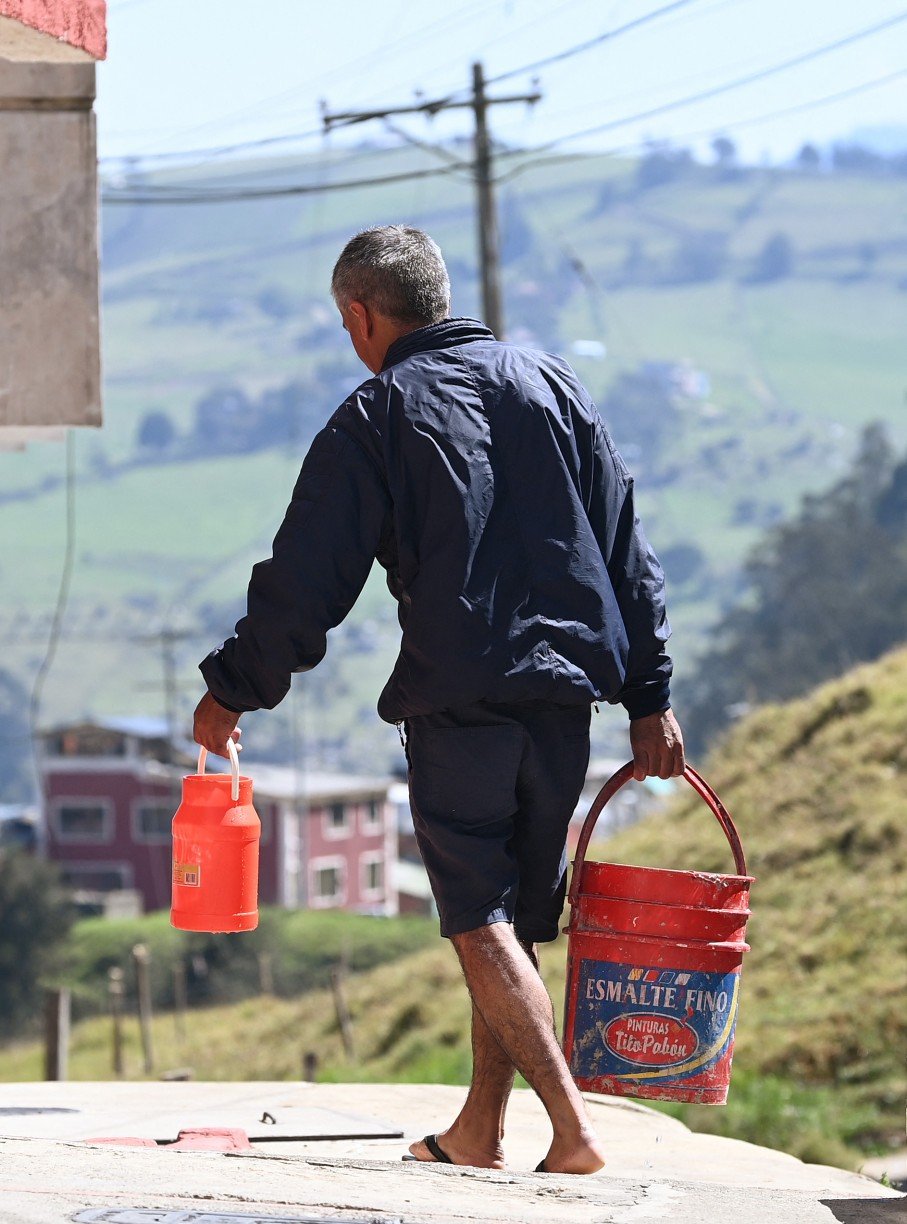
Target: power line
[[69, 554], [533, 160], [414, 37], [753, 121], [717, 90], [210, 152], [607, 36], [187, 195]]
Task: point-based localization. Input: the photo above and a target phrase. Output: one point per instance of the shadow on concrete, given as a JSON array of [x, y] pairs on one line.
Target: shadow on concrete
[[867, 1211]]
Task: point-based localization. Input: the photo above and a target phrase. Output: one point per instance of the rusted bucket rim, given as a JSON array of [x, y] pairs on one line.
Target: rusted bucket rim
[[669, 905], [708, 877]]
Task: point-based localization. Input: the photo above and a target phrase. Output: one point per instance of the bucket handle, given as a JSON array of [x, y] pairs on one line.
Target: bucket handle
[[613, 785], [234, 767]]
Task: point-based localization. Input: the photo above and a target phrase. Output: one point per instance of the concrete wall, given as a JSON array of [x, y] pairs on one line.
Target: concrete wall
[[49, 330]]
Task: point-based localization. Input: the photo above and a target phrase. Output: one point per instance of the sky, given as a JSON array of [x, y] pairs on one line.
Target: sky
[[192, 74]]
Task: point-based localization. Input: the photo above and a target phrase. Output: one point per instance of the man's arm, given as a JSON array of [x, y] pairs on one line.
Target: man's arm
[[321, 558], [638, 582]]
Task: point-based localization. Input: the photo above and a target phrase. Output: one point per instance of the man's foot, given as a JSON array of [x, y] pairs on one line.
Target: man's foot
[[459, 1150], [585, 1156]]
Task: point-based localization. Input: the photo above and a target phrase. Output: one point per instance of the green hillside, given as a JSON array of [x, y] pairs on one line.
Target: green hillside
[[818, 789], [200, 297]]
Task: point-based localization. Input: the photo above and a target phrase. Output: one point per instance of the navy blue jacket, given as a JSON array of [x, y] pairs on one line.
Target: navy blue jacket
[[482, 478]]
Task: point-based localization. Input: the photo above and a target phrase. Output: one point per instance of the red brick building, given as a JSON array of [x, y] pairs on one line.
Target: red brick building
[[327, 840]]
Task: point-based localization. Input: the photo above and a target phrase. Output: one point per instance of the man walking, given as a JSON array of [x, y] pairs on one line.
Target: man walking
[[483, 480]]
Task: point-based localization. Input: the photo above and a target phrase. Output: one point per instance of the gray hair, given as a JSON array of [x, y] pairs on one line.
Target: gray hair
[[398, 271]]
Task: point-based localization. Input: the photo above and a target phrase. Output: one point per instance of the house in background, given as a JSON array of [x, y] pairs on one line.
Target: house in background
[[111, 787]]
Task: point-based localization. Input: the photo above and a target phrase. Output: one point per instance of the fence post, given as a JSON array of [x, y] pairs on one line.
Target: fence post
[[345, 1024], [142, 958], [310, 1066], [115, 991], [265, 973], [179, 997], [56, 1033]]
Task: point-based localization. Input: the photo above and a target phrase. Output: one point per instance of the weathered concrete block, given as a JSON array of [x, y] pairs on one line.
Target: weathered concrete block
[[49, 328]]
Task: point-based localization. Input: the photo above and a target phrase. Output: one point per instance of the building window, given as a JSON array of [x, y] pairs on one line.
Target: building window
[[373, 816], [372, 876], [96, 877], [328, 882], [336, 820], [151, 823], [83, 820]]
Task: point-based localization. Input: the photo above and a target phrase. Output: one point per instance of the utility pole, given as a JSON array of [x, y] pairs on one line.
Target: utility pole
[[482, 167], [167, 640], [489, 245]]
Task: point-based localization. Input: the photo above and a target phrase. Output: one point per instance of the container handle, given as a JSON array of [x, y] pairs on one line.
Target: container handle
[[613, 785], [234, 767]]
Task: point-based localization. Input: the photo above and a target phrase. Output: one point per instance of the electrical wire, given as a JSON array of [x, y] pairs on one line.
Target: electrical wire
[[533, 159], [734, 125], [181, 195], [716, 90], [414, 38], [212, 152], [607, 36], [426, 145], [53, 641]]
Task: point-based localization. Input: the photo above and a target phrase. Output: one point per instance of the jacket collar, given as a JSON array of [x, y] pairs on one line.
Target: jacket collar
[[446, 334]]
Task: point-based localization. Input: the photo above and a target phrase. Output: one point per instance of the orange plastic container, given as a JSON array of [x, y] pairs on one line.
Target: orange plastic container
[[216, 833]]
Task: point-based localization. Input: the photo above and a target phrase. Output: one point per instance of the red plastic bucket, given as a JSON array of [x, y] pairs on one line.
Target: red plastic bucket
[[653, 969], [216, 834]]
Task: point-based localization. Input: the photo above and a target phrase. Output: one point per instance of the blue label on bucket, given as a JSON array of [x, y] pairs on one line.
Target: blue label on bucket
[[650, 1024]]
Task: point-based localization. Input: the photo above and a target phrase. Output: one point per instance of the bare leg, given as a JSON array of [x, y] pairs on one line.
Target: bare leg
[[510, 995], [476, 1135]]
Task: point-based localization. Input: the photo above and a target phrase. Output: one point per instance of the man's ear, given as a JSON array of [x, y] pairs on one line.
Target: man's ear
[[363, 318]]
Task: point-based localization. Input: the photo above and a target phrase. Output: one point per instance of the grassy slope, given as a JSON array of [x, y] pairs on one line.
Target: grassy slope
[[818, 789]]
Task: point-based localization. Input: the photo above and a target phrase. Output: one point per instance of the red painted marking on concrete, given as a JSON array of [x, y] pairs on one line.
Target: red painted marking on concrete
[[195, 1139], [210, 1139], [81, 23]]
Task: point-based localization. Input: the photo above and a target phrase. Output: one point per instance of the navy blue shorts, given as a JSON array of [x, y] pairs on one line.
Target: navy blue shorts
[[492, 789]]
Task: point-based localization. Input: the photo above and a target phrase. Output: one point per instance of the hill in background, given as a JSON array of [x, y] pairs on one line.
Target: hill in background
[[737, 325], [818, 789]]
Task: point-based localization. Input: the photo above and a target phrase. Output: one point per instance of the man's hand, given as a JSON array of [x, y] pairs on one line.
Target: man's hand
[[657, 744], [214, 725]]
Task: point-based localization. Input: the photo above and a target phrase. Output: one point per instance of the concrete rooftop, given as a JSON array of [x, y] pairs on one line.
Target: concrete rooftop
[[657, 1170]]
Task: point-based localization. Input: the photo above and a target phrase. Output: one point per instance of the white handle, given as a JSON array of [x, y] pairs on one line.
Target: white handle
[[234, 767]]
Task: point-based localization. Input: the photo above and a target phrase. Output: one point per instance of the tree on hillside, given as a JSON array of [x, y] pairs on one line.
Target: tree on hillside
[[16, 771], [725, 151], [699, 256], [725, 158], [35, 917], [222, 420], [661, 165], [823, 591], [856, 159], [809, 158], [774, 261], [642, 413], [156, 432]]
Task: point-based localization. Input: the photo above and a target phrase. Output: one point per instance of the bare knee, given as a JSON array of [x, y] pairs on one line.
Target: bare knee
[[493, 939]]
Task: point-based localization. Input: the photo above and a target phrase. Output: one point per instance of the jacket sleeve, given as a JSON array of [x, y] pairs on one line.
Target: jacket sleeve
[[321, 557], [637, 579]]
